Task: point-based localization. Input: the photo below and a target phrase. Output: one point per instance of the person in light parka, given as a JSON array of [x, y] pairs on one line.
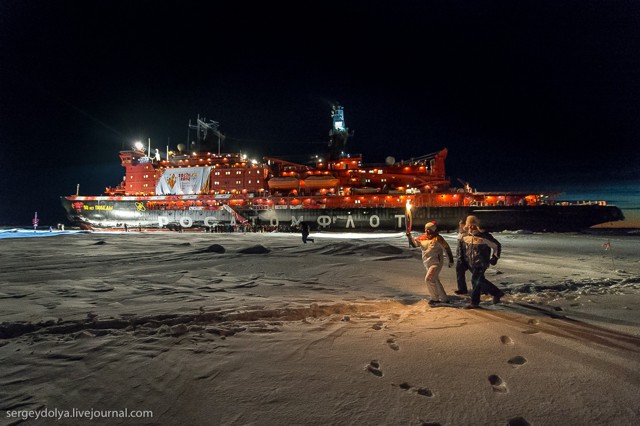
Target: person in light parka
[[433, 248]]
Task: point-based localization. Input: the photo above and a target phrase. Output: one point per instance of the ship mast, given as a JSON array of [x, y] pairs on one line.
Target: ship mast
[[203, 129], [338, 134]]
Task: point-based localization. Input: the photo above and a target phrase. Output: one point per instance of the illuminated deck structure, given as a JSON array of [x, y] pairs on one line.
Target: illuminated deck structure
[[195, 189]]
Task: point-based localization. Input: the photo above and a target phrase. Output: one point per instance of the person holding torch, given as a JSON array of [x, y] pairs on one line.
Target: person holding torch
[[433, 248]]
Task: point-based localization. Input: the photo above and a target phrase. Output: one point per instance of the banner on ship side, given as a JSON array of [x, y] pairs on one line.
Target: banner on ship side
[[179, 181]]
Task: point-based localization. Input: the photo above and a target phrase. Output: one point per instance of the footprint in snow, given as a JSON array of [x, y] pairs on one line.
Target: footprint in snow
[[392, 344], [420, 391], [497, 384], [374, 368], [518, 421], [506, 340], [517, 361]]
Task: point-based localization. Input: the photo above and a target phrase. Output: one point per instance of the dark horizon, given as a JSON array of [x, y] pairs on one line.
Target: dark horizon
[[539, 96]]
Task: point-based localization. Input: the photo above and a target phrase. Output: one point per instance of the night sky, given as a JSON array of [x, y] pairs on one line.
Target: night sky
[[541, 94]]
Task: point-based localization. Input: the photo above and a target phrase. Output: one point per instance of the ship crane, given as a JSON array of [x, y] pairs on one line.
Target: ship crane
[[466, 185]]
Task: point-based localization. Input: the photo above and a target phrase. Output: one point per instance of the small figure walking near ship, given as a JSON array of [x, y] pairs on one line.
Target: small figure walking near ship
[[433, 248], [305, 233], [476, 247]]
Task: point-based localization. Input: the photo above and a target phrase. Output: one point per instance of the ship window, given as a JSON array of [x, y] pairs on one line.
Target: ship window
[[238, 182], [216, 182], [217, 173], [227, 173], [249, 182], [238, 172]]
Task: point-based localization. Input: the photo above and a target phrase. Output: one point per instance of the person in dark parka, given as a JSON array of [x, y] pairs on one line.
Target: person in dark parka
[[479, 250], [461, 266], [305, 233]]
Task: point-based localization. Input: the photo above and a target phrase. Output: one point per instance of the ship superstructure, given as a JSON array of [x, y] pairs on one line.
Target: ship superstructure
[[200, 189]]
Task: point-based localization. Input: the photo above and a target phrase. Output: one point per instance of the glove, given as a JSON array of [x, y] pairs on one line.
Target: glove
[[493, 260]]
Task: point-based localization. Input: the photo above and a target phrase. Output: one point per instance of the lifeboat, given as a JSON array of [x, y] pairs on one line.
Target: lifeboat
[[321, 182], [284, 183], [365, 190]]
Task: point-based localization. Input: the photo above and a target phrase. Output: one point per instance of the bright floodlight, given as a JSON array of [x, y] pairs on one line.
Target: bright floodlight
[[138, 145]]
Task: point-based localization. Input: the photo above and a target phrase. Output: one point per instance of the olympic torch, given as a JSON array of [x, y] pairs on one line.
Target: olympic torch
[[407, 216]]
